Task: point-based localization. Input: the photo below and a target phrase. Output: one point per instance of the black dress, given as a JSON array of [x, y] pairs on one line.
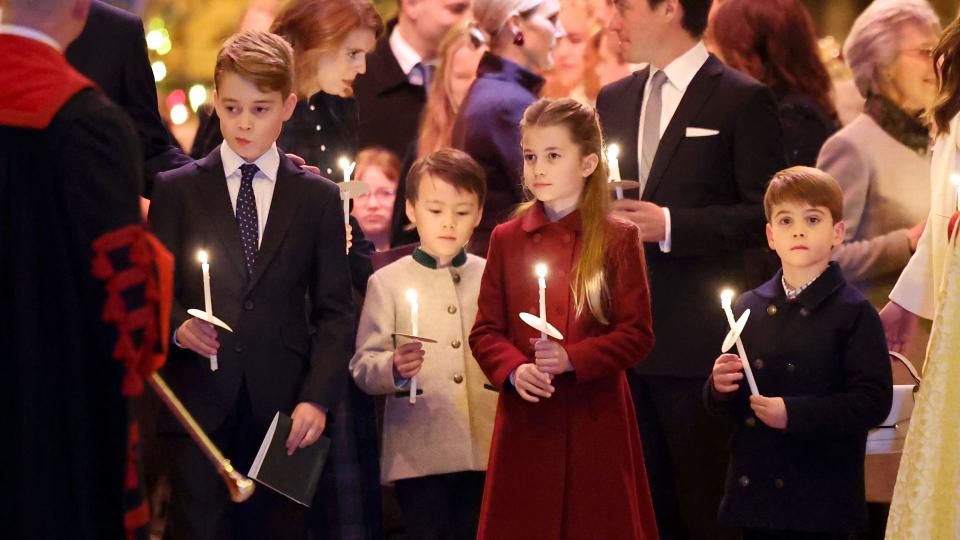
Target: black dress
[[806, 126]]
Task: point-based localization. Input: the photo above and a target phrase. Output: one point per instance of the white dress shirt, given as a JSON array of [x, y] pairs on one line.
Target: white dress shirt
[[29, 33], [405, 54], [263, 182], [679, 74]]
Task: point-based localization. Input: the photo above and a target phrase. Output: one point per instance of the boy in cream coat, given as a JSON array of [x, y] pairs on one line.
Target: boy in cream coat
[[434, 450]]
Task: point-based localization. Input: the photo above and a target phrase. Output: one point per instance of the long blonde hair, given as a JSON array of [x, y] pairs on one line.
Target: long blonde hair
[[590, 284], [436, 128]]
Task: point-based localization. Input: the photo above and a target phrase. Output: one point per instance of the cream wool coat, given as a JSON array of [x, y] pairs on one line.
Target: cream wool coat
[[450, 426]]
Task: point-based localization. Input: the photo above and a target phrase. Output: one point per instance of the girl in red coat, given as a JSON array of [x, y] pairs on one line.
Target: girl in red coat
[[566, 460]]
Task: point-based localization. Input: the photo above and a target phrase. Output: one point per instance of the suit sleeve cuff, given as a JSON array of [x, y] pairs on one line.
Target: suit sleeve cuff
[[666, 245]]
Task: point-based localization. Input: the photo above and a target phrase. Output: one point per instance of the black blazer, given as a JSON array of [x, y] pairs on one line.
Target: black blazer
[[713, 187], [283, 356], [488, 128], [826, 355], [112, 52], [389, 106]]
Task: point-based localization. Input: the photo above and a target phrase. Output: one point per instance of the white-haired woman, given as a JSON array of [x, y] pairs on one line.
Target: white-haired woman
[[522, 37], [881, 159]]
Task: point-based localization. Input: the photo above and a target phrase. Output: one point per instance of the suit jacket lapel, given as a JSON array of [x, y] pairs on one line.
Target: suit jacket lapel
[[216, 199], [283, 208], [629, 161], [693, 100]]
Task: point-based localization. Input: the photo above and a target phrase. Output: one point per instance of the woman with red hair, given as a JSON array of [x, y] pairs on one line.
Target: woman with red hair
[[774, 42]]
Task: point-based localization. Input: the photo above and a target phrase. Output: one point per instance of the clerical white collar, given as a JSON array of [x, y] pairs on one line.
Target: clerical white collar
[[268, 163], [405, 54], [30, 33]]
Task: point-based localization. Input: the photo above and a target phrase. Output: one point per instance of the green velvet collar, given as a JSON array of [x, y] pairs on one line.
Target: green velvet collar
[[423, 258]]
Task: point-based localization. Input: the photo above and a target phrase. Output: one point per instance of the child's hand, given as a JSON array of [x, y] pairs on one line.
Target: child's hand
[[550, 357], [349, 237], [198, 336], [309, 421], [772, 411], [407, 359], [727, 370], [530, 382]]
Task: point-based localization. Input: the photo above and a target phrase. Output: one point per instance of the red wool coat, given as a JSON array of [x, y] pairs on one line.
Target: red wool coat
[[571, 466]]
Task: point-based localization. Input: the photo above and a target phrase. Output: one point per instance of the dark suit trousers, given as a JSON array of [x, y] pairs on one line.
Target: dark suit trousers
[[441, 506], [763, 534], [685, 452], [200, 506]]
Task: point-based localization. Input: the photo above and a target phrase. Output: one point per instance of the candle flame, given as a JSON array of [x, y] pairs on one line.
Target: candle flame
[[955, 180], [411, 296], [202, 255], [344, 163], [613, 152], [541, 270], [726, 296]]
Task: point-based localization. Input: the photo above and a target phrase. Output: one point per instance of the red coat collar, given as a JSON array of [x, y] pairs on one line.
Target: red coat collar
[[536, 218], [35, 82]]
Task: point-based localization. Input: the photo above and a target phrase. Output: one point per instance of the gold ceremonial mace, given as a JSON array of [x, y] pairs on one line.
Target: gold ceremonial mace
[[240, 487]]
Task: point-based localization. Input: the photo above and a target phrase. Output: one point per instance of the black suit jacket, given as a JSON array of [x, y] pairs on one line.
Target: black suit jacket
[[283, 356], [112, 52], [389, 105], [713, 187]]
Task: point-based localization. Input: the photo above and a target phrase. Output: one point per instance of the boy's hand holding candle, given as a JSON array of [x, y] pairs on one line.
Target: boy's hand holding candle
[[407, 360], [727, 372], [772, 411], [198, 336]]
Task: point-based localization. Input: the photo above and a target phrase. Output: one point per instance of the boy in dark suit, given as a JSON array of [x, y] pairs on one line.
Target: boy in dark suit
[[818, 348], [276, 241]]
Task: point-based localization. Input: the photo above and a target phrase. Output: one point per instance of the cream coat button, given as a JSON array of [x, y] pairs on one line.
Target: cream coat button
[[455, 344], [458, 378], [451, 309]]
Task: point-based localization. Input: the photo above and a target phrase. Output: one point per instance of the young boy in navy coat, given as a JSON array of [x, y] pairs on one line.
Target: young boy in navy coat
[[819, 357], [278, 277]]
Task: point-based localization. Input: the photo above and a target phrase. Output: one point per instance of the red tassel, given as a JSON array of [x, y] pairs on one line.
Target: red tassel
[[132, 384], [124, 350], [102, 269], [952, 226], [140, 252]]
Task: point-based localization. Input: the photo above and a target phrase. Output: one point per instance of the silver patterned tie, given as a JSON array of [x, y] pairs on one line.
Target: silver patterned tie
[[651, 126]]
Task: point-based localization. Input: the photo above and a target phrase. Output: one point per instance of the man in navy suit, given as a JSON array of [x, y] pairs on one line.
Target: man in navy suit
[[279, 277], [703, 140]]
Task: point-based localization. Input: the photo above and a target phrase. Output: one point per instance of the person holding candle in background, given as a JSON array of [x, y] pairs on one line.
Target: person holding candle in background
[[434, 450], [820, 357], [566, 458], [261, 279]]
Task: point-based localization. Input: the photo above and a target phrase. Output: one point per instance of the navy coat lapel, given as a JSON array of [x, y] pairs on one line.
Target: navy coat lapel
[[697, 94], [216, 200], [283, 208]]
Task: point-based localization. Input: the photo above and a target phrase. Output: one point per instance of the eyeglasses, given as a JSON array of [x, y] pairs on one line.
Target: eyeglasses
[[380, 194]]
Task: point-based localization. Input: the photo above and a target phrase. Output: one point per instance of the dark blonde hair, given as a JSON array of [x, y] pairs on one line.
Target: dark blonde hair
[[261, 58], [804, 185], [589, 284], [315, 27], [454, 167]]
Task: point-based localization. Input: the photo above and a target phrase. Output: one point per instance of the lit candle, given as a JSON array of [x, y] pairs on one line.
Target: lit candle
[[613, 164], [207, 301], [414, 331], [726, 298], [347, 167], [541, 270]]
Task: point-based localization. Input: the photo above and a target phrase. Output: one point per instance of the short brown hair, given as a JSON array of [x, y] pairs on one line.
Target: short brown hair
[[804, 185], [314, 27], [452, 166], [261, 58]]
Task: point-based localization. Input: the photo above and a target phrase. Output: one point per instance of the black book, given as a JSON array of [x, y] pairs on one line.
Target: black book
[[293, 476]]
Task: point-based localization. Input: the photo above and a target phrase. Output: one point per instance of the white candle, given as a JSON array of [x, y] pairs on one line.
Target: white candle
[[541, 270], [955, 180], [207, 301], [347, 168], [414, 331], [726, 298], [613, 163]]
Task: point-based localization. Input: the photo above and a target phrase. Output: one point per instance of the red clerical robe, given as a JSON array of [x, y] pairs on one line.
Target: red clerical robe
[[570, 466]]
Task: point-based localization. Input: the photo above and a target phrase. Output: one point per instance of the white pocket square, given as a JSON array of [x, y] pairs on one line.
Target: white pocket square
[[701, 132]]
